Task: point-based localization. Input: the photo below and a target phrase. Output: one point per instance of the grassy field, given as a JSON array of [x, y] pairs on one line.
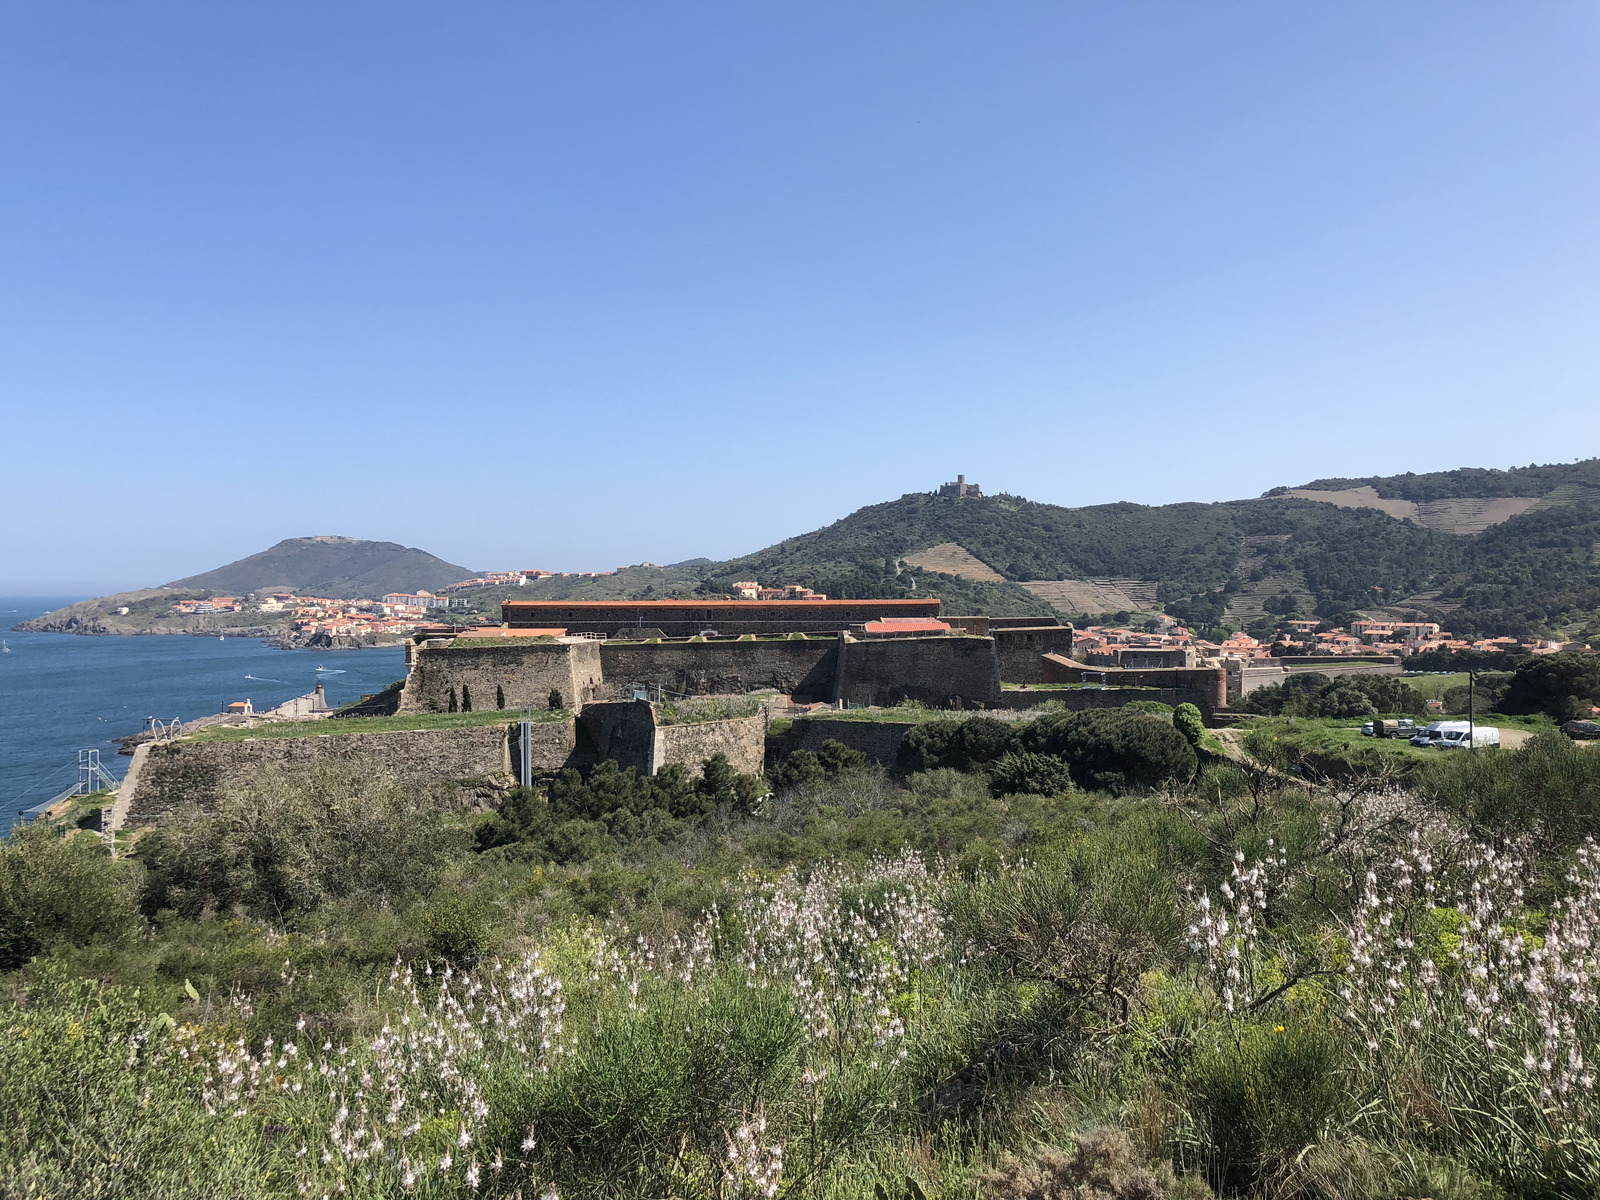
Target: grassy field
[[344, 726]]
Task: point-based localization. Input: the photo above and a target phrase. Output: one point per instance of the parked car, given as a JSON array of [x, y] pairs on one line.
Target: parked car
[[1581, 730]]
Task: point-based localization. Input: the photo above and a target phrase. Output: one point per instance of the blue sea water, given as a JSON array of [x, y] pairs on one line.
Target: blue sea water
[[61, 693]]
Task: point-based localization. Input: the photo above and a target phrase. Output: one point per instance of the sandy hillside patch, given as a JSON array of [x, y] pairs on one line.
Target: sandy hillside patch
[[951, 559], [1361, 497], [1464, 516], [1468, 517], [1094, 595]]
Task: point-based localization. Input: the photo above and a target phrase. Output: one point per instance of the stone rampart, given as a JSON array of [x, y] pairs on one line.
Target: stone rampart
[[686, 618], [742, 739], [1080, 699], [470, 759], [803, 668], [1019, 649], [1246, 677], [1204, 687], [628, 732], [934, 670], [523, 672], [878, 740]]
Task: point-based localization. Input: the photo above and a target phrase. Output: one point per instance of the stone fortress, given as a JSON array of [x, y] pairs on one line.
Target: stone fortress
[[607, 665], [849, 653]]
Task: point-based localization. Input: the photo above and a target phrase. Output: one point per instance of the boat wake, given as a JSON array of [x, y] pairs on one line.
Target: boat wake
[[264, 679], [330, 671]]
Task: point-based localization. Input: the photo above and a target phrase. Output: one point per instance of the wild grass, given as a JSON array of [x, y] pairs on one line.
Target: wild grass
[[343, 726], [872, 987]]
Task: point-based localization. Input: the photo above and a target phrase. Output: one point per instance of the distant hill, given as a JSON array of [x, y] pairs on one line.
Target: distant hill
[[337, 567], [1484, 552]]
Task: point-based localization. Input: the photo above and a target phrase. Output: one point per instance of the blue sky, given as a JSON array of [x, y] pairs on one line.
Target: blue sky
[[573, 286]]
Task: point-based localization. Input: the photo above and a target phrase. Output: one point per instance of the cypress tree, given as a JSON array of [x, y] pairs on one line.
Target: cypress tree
[[452, 700], [466, 699], [499, 696]]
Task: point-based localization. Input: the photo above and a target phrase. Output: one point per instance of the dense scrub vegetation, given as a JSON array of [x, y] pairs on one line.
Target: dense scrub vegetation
[[1053, 958], [1533, 573]]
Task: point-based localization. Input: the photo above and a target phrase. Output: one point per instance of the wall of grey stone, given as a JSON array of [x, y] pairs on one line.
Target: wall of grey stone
[[934, 670], [469, 759], [1204, 687], [623, 730], [1079, 699], [1020, 650], [878, 740], [742, 739], [794, 667], [525, 671]]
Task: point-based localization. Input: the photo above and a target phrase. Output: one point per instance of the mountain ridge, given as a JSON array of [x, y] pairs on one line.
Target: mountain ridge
[[340, 568]]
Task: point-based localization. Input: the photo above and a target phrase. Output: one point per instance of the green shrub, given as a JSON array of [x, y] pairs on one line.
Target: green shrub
[[1039, 774], [1186, 719], [294, 838], [962, 745], [1114, 750], [1262, 1097], [60, 890], [554, 703], [830, 761], [1564, 686], [458, 930]]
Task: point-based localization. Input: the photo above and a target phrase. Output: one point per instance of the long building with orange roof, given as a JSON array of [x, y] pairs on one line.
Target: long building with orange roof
[[688, 618]]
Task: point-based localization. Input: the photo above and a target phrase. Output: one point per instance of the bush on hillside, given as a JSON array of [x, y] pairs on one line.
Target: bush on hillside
[[1186, 719], [1033, 774], [580, 817], [1114, 750], [60, 890], [960, 745], [1313, 694], [295, 838], [808, 767], [1565, 686]]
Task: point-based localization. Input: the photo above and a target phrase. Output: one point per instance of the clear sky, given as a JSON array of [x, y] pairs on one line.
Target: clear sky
[[583, 284]]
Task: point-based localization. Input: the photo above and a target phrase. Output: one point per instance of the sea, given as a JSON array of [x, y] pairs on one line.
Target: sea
[[61, 693]]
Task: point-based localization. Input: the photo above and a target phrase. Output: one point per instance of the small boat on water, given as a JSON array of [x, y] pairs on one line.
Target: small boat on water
[[4, 649]]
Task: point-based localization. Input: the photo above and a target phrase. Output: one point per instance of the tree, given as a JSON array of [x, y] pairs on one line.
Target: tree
[[499, 696], [57, 889], [1186, 719], [452, 700], [466, 699], [1114, 750], [1564, 686], [555, 702]]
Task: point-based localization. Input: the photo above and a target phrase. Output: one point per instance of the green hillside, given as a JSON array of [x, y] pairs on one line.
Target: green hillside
[[1533, 572], [1476, 482]]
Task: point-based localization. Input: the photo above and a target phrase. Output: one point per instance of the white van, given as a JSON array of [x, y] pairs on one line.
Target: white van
[[1457, 735]]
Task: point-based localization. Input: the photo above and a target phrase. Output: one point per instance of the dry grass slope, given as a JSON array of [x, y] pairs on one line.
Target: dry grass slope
[[950, 559]]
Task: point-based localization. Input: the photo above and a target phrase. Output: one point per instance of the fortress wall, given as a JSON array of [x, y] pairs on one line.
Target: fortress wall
[[878, 740], [685, 618], [627, 731], [624, 730], [742, 739], [794, 667], [526, 671], [1080, 699], [1020, 649], [934, 670], [174, 772], [1204, 687], [1250, 676]]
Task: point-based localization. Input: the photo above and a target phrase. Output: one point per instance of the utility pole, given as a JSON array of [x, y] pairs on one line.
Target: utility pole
[[1472, 728]]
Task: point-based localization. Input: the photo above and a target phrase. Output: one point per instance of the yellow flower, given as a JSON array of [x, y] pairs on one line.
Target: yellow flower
[[1278, 1029]]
